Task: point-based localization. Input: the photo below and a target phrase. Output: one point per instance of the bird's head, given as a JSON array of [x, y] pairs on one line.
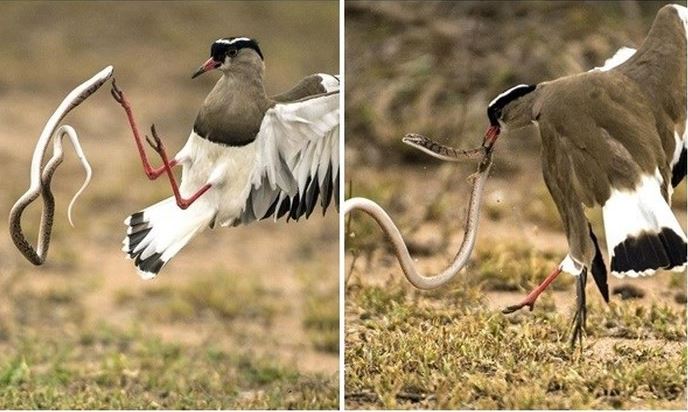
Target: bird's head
[[509, 109], [230, 51]]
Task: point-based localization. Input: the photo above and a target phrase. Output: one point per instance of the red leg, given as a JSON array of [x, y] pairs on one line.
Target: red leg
[[167, 166], [533, 295], [152, 173]]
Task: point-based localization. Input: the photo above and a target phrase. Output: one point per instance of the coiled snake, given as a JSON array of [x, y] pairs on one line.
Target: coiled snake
[[41, 178], [389, 228]]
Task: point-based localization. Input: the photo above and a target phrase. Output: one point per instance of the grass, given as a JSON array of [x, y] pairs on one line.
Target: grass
[[410, 353], [321, 320], [515, 266], [111, 368], [212, 295], [55, 355], [452, 348]]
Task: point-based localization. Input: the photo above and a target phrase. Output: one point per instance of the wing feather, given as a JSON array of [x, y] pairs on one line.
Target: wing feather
[[297, 158]]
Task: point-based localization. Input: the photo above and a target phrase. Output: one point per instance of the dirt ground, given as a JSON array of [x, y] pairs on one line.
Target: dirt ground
[[263, 297]]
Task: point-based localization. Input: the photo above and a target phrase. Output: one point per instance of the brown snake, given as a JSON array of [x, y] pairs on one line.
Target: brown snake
[[41, 178], [387, 225]]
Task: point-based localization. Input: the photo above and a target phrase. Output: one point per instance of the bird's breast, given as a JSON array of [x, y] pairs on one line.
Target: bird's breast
[[227, 168]]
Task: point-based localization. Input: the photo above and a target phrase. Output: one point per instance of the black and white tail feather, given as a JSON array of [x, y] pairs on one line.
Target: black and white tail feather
[[157, 233], [643, 234]]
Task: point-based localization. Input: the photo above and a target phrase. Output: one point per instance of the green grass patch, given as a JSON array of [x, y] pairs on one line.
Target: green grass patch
[[132, 369]]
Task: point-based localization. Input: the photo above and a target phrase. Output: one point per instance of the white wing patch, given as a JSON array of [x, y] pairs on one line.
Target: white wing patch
[[329, 82], [682, 14], [681, 144], [619, 57], [297, 159]]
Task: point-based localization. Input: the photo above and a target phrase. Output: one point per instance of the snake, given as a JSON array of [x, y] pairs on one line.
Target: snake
[[40, 178], [374, 210]]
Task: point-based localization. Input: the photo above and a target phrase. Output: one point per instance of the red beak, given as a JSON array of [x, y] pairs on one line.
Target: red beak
[[209, 65], [491, 135]]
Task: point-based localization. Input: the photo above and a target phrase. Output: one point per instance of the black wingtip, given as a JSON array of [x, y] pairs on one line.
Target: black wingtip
[[326, 190], [647, 252], [136, 219]]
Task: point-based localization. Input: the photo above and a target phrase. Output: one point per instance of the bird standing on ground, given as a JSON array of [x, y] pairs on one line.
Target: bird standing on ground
[[613, 137], [249, 156]]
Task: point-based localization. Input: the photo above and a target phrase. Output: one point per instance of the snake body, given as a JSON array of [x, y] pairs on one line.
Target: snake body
[[41, 178], [390, 229], [441, 151]]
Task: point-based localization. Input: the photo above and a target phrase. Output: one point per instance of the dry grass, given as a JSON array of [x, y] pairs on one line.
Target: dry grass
[[410, 353]]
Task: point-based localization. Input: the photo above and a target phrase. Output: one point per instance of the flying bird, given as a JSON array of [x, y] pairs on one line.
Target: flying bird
[[613, 137], [248, 157]]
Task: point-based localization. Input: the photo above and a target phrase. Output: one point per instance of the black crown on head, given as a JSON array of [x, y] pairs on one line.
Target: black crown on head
[[221, 47], [494, 109]]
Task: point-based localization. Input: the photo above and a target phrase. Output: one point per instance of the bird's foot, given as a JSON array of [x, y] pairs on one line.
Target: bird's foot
[[580, 317], [534, 294], [514, 308], [156, 142], [117, 94], [578, 327]]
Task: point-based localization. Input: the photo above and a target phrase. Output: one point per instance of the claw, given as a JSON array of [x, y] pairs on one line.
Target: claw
[[157, 146], [152, 144], [580, 317], [116, 92], [514, 308]]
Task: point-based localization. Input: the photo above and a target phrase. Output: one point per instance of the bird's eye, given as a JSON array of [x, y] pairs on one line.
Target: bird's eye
[[232, 52]]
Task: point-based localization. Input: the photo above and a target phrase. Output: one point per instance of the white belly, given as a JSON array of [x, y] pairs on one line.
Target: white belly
[[226, 168]]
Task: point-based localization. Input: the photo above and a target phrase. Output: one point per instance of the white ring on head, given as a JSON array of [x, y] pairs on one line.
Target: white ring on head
[[506, 93], [238, 39]]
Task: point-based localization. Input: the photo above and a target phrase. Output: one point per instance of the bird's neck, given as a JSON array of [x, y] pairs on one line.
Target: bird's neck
[[521, 112], [233, 111], [244, 78]]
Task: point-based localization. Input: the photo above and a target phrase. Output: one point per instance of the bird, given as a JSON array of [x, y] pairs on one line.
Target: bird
[[612, 137], [248, 157]]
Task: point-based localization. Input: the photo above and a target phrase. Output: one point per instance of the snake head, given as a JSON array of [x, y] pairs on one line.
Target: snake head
[[414, 139]]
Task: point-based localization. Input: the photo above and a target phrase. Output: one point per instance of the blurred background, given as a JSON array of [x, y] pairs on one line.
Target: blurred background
[[242, 317], [431, 68]]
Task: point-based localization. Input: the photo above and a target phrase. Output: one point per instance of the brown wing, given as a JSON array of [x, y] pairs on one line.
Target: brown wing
[[608, 127], [309, 86], [659, 70]]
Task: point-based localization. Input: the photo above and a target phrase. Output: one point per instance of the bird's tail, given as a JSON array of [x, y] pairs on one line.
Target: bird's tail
[[157, 233], [643, 235]]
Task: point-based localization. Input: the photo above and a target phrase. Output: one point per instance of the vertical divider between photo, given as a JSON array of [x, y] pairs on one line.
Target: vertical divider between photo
[[342, 166]]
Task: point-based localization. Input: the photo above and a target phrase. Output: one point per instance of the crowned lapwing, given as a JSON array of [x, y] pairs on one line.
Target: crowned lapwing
[[613, 137], [249, 156]]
